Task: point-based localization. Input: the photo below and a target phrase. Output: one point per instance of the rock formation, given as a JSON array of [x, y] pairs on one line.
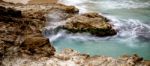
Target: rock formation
[[22, 42], [20, 34], [69, 57], [21, 30], [36, 46], [90, 22]]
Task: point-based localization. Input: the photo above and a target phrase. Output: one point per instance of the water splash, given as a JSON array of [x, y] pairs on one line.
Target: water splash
[[133, 34]]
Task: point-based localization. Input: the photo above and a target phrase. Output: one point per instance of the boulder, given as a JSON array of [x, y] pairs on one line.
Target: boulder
[[69, 9], [90, 22], [37, 46]]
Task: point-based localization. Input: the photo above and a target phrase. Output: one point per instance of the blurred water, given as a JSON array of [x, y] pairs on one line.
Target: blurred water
[[130, 17]]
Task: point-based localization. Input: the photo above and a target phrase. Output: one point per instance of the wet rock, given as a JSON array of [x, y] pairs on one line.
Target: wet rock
[[71, 9], [90, 22], [9, 12], [67, 9], [13, 13], [94, 15], [37, 46]]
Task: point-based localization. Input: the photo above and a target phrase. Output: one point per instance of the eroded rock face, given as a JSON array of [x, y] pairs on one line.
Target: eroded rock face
[[70, 57], [90, 22], [18, 21], [16, 28], [37, 46], [79, 59]]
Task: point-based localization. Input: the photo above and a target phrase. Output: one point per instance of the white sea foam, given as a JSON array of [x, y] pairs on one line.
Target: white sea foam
[[129, 32], [56, 36]]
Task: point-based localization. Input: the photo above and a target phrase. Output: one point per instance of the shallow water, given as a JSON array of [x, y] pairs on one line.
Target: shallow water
[[130, 17]]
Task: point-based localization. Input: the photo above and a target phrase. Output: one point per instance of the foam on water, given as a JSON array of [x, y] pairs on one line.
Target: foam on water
[[133, 34]]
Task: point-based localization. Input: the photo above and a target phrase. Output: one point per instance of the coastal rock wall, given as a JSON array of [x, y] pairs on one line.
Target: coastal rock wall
[[21, 30], [21, 34]]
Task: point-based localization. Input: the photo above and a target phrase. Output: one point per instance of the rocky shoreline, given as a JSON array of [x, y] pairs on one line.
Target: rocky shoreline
[[22, 42], [92, 23]]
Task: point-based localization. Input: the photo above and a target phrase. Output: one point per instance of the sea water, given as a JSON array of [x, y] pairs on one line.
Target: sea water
[[130, 17]]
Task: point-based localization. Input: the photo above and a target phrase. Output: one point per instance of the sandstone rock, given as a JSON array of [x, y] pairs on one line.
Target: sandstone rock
[[42, 1], [92, 23], [94, 15], [70, 9], [37, 46], [14, 26], [147, 63]]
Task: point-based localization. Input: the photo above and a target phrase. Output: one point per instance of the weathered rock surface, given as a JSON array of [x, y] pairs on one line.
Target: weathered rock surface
[[69, 57], [90, 22], [37, 46], [18, 21], [21, 29], [15, 26]]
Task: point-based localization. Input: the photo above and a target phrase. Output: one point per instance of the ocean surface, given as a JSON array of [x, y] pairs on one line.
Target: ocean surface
[[130, 17]]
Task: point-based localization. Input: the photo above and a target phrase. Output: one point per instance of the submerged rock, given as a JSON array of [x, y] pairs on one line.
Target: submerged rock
[[90, 22]]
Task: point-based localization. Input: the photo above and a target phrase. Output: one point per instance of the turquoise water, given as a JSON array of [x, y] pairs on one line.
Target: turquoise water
[[130, 17]]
